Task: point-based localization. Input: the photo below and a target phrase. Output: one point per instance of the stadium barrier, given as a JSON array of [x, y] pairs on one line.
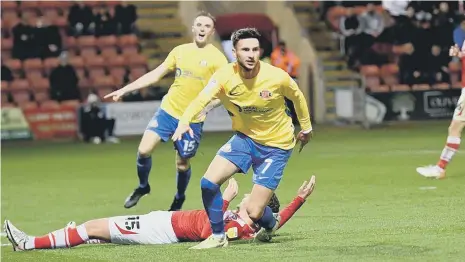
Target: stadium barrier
[[419, 105], [14, 125], [131, 118]]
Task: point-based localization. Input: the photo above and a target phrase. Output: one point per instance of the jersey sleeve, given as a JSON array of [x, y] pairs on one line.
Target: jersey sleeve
[[291, 90], [211, 91], [290, 210], [170, 60]]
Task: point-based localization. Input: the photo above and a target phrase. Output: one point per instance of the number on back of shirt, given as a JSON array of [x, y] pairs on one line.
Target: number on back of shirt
[[188, 145], [132, 223]]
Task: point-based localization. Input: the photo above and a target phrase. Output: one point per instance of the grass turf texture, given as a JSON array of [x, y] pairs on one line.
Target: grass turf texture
[[369, 203]]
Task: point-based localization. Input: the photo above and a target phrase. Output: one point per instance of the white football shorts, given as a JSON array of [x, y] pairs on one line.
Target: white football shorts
[[459, 113], [153, 228]]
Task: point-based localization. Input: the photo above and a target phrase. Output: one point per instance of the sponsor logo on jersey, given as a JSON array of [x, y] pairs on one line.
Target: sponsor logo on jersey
[[124, 231], [203, 63], [265, 94]]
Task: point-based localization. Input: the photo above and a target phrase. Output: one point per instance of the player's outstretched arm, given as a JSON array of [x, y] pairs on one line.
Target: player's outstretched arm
[[231, 190], [304, 191], [293, 93], [150, 78], [196, 106]]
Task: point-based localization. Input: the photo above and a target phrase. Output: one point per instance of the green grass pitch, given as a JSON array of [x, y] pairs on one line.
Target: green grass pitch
[[369, 204]]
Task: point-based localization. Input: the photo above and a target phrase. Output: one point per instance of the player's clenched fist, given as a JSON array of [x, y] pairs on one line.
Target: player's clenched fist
[[307, 188], [180, 130], [304, 137], [116, 95], [455, 51]]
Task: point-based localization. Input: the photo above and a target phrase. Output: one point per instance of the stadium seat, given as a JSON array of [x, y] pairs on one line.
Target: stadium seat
[[108, 52], [50, 104], [421, 87], [137, 72], [389, 74], [21, 96], [50, 64], [111, 3], [33, 64], [76, 62], [15, 66], [369, 70], [9, 5], [128, 40], [70, 103], [54, 4], [8, 105], [40, 84], [117, 61], [86, 41], [61, 22], [28, 105], [7, 44], [70, 42], [105, 41], [441, 86], [380, 89], [103, 82], [33, 75], [118, 74], [19, 84], [88, 52], [5, 85], [399, 88], [137, 60], [94, 61], [96, 72], [129, 51], [24, 5], [80, 72], [102, 92]]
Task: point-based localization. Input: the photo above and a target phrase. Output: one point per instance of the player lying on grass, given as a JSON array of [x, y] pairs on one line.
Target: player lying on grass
[[157, 227], [455, 128], [254, 94], [194, 63]]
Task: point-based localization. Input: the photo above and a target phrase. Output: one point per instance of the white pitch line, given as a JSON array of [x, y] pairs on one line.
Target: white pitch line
[[5, 245], [2, 234], [427, 188], [378, 153]]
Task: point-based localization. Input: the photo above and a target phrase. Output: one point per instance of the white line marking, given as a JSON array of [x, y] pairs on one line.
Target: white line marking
[[427, 188], [5, 245], [2, 234]]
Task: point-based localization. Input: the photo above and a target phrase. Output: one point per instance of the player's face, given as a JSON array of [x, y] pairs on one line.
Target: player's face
[[202, 30], [247, 53]]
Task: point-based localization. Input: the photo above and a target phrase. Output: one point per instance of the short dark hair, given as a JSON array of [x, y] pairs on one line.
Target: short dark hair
[[245, 33], [206, 14]]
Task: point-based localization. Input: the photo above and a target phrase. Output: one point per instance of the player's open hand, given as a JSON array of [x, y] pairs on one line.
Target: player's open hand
[[304, 139], [116, 95], [307, 188], [455, 51], [181, 130], [231, 190]]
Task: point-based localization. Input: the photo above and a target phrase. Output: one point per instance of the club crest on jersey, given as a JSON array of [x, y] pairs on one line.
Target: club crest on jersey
[[178, 72], [203, 63], [265, 94]]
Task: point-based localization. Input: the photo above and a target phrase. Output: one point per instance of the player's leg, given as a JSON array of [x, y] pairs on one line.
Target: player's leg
[[452, 143], [233, 157], [158, 130], [185, 150], [68, 236], [269, 164]]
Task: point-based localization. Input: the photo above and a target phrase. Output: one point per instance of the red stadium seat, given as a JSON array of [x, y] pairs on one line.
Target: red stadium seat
[[28, 105], [88, 52], [129, 51], [96, 72], [32, 76], [441, 86], [137, 60], [19, 84], [34, 63], [15, 66], [397, 88], [118, 74], [80, 72], [86, 41], [109, 52], [369, 70], [94, 61], [40, 84], [21, 96], [137, 72], [70, 103], [380, 89], [50, 104], [421, 87], [5, 85], [70, 42], [9, 5], [76, 62], [117, 61], [7, 43], [105, 41], [41, 95], [128, 40], [50, 64], [104, 82]]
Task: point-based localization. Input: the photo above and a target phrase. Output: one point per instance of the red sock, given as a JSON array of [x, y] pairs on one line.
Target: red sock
[[452, 146], [65, 237]]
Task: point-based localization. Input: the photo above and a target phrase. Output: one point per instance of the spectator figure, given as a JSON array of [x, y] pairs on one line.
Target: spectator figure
[[7, 75], [351, 27], [397, 9], [459, 33], [24, 43], [94, 125], [105, 23], [81, 19], [125, 17], [438, 66], [64, 81], [373, 22], [48, 39], [285, 59]]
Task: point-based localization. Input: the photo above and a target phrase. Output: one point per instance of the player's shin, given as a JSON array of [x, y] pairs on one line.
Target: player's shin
[[62, 238], [452, 146], [213, 203], [144, 165]]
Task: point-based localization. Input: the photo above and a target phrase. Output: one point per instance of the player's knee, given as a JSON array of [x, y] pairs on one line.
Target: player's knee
[[255, 212], [182, 164], [97, 228], [144, 151]]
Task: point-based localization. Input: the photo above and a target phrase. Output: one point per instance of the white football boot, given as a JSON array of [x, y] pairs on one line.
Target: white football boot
[[432, 172], [16, 237]]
